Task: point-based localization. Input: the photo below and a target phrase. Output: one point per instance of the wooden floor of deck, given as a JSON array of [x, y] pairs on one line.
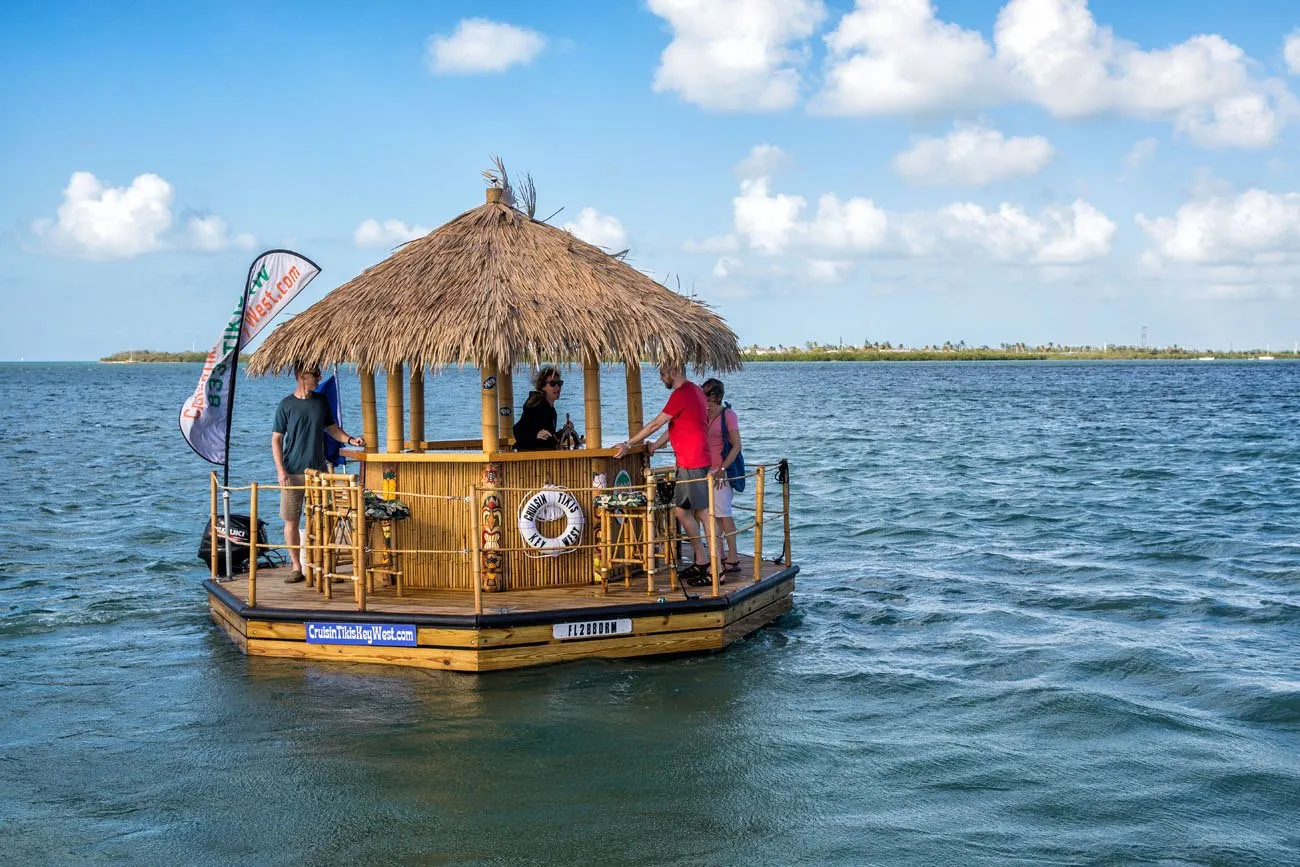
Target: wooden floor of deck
[[273, 593]]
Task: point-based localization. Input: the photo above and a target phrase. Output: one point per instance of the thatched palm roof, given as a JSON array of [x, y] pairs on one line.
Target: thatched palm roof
[[494, 285]]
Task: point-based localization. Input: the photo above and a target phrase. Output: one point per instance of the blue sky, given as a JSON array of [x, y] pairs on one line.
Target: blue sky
[[1034, 170]]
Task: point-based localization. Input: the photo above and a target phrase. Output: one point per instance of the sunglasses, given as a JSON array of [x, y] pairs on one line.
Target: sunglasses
[[315, 373], [555, 382], [712, 393]]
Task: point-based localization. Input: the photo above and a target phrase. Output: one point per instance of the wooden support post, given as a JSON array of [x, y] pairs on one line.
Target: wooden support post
[[369, 414], [417, 409], [505, 404], [758, 523], [212, 526], [635, 405], [591, 400], [488, 398], [475, 551], [252, 546], [396, 440], [715, 568], [649, 555], [359, 536]]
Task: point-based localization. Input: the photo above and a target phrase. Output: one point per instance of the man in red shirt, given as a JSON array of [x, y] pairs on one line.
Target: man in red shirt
[[686, 415]]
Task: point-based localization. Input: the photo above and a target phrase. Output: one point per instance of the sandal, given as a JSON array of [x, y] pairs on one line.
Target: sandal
[[730, 565]]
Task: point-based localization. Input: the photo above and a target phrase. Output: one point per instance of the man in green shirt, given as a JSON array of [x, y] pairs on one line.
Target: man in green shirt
[[297, 445]]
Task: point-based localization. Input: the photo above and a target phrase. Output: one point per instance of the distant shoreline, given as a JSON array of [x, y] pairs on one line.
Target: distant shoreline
[[1124, 353], [147, 356]]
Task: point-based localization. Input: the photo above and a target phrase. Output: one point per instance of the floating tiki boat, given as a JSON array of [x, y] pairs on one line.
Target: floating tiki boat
[[470, 556]]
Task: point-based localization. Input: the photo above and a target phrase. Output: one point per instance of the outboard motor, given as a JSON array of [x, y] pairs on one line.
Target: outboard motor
[[240, 531]]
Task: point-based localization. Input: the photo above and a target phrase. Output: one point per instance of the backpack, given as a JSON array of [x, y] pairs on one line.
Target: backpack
[[735, 472]]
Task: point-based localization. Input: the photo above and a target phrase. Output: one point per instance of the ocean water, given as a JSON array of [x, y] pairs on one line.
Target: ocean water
[[1049, 613]]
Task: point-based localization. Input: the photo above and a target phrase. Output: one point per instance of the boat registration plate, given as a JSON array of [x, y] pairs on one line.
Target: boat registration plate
[[592, 628]]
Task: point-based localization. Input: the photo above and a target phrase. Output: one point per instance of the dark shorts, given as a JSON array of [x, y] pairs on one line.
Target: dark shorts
[[692, 489]]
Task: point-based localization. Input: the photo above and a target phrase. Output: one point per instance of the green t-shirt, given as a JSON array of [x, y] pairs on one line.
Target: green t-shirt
[[302, 422]]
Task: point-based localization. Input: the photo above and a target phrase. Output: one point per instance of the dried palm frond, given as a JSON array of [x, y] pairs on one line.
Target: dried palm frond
[[528, 196]]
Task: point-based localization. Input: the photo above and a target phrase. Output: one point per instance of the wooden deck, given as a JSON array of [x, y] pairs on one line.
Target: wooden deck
[[515, 629]]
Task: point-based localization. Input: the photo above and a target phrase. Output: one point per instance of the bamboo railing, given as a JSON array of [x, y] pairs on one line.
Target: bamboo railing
[[658, 538]]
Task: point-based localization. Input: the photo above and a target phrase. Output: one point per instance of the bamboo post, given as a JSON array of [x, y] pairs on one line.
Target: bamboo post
[[417, 409], [714, 556], [359, 537], [475, 552], [369, 414], [252, 546], [328, 523], [488, 399], [212, 526], [649, 554], [505, 404], [635, 404], [396, 413], [606, 552], [591, 400], [785, 511], [758, 523]]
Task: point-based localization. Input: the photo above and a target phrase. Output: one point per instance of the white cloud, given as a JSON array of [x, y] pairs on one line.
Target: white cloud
[[773, 223], [1291, 52], [211, 234], [1142, 151], [827, 270], [974, 156], [479, 45], [390, 233], [720, 244], [100, 222], [599, 229], [1060, 58], [1247, 120], [763, 161], [855, 224], [726, 266], [1256, 227], [736, 55], [766, 221], [1058, 236], [896, 57], [889, 56]]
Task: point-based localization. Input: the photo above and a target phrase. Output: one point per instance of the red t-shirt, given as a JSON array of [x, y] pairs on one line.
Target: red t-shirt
[[686, 431]]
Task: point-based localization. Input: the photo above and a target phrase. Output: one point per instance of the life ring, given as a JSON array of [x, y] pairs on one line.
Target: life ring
[[549, 504]]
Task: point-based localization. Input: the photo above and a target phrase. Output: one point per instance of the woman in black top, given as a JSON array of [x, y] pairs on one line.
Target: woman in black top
[[536, 426]]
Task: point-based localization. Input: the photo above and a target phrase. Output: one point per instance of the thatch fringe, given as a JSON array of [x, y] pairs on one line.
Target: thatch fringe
[[495, 286]]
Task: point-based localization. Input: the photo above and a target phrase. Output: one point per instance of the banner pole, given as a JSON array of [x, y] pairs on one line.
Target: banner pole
[[234, 378], [225, 509]]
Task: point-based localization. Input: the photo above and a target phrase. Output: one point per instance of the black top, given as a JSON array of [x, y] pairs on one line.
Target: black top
[[538, 415]]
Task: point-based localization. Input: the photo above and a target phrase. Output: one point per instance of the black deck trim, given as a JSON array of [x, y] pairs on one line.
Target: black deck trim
[[508, 619]]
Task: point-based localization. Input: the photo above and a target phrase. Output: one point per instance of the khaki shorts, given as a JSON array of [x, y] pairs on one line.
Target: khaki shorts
[[291, 499]]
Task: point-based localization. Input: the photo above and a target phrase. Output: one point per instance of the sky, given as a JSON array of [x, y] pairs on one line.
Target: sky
[[887, 170]]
